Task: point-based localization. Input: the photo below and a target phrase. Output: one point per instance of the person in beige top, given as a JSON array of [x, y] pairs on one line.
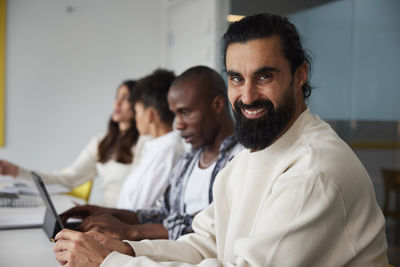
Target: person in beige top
[[107, 157], [297, 196]]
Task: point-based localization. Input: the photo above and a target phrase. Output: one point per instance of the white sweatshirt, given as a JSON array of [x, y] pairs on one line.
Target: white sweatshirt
[[306, 200]]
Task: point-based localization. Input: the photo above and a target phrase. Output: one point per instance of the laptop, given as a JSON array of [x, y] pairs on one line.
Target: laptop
[[52, 223]]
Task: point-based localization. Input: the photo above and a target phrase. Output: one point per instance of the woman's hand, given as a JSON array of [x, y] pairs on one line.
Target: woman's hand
[[7, 168]]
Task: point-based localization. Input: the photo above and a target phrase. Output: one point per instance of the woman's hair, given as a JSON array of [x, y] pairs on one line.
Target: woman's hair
[[116, 144], [152, 91]]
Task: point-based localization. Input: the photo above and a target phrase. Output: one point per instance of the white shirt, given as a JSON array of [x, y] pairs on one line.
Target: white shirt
[[148, 180], [306, 200], [197, 189], [111, 174]]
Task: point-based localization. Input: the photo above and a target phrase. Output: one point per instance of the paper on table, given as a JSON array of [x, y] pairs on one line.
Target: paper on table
[[8, 190], [53, 189], [6, 179], [19, 221], [7, 183], [7, 186], [16, 218]]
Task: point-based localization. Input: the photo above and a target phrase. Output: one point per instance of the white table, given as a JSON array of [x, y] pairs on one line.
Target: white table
[[30, 247]]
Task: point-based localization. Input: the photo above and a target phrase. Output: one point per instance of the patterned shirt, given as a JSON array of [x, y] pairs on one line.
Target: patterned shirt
[[172, 210]]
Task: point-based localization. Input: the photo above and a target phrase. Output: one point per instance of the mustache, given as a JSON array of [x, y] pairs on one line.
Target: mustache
[[259, 103]]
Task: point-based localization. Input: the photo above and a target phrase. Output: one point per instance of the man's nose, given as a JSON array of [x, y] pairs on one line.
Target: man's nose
[[249, 94], [179, 124]]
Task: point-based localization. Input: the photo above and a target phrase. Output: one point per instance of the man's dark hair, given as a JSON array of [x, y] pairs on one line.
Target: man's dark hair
[[152, 91], [267, 25], [211, 81]]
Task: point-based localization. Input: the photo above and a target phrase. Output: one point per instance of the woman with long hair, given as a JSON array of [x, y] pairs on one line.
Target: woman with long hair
[[108, 157]]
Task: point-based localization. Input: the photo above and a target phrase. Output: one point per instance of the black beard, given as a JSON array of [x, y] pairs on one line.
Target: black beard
[[257, 134]]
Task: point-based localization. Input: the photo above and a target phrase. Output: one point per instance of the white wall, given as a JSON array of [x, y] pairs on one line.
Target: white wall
[[194, 31], [63, 68]]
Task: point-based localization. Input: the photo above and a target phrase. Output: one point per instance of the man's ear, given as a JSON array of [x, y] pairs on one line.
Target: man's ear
[[219, 104], [301, 76]]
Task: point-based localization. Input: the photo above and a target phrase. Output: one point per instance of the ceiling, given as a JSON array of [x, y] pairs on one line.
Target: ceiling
[[281, 7]]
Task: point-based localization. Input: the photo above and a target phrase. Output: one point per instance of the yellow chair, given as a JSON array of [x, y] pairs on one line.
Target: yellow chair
[[82, 191]]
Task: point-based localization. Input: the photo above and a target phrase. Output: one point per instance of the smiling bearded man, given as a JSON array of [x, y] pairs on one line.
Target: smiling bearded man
[[298, 196]]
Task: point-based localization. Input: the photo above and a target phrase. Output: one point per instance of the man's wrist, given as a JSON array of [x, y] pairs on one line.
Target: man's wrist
[[134, 233], [128, 250], [103, 257]]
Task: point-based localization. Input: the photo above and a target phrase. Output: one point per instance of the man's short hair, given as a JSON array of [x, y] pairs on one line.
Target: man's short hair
[[267, 25], [211, 81], [152, 91]]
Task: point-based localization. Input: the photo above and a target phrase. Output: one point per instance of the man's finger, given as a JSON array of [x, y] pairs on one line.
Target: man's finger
[[82, 225], [69, 213], [87, 224], [96, 235], [98, 229], [62, 257], [77, 210], [114, 235], [105, 231], [60, 245], [92, 221], [68, 234]]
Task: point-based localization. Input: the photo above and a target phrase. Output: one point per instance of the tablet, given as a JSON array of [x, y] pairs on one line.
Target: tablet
[[52, 223]]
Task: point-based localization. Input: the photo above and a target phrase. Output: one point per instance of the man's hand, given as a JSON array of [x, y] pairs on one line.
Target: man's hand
[[7, 168], [79, 249], [109, 225], [112, 244], [83, 211]]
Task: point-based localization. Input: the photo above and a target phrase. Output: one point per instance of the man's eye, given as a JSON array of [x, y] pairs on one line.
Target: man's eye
[[236, 79], [265, 76]]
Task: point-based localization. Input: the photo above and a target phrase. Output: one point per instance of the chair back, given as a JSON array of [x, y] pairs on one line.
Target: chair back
[[82, 191]]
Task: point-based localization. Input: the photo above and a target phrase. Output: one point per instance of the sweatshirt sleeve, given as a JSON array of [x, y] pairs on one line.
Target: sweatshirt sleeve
[[196, 249], [289, 231], [80, 171]]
